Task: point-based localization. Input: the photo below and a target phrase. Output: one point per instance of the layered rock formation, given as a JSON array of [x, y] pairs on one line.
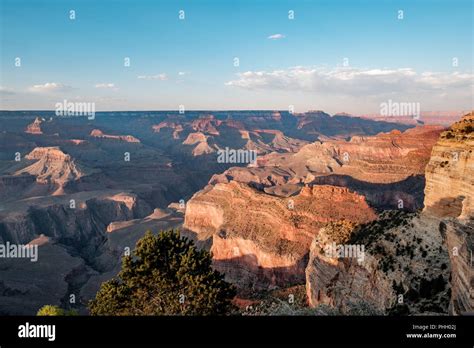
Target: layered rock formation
[[408, 255], [387, 168], [449, 197], [258, 222], [264, 132], [76, 252], [319, 123], [97, 133], [200, 143], [35, 127], [449, 188], [206, 124], [261, 241], [52, 166], [384, 158]]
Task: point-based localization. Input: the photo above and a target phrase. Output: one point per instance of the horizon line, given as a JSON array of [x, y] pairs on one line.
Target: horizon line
[[342, 113]]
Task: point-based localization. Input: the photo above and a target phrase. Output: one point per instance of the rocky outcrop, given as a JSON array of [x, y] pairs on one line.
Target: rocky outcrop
[[449, 188], [97, 133], [338, 282], [52, 166], [395, 264], [459, 238], [262, 241], [449, 197], [35, 127], [263, 131], [206, 124], [200, 143], [176, 127]]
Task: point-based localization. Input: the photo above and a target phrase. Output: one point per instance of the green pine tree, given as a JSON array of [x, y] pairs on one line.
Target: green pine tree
[[165, 275]]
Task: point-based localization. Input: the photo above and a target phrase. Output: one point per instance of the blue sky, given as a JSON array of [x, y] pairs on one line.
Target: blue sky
[[190, 62]]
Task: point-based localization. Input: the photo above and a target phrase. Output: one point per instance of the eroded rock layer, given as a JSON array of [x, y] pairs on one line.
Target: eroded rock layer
[[259, 240], [449, 197]]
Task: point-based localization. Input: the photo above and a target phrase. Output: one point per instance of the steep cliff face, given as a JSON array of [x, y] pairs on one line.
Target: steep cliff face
[[395, 264], [340, 282], [449, 197], [78, 224], [75, 247], [449, 188], [261, 241], [460, 243]]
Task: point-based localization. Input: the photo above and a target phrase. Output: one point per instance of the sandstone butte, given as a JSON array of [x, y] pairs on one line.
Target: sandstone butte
[[97, 133], [200, 141], [35, 127], [261, 241], [52, 166]]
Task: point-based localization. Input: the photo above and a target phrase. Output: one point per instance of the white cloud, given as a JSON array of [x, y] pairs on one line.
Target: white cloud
[[276, 37], [355, 81], [181, 73], [50, 87], [105, 85], [161, 77], [6, 91]]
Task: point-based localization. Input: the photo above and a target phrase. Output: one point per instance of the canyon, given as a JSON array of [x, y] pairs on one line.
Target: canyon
[[86, 190]]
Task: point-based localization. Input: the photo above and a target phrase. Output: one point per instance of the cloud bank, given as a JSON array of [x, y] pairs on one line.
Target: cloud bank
[[354, 81]]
